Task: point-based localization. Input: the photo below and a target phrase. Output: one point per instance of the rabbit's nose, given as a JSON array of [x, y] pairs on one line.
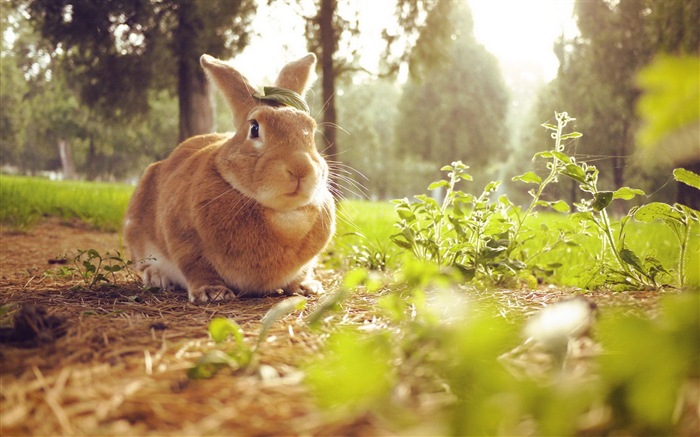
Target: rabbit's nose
[[300, 166]]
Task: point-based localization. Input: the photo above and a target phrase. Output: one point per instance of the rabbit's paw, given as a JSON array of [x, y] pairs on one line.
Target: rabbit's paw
[[305, 288], [211, 293]]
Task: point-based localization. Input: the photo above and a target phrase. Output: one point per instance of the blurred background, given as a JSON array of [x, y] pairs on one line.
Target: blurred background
[[97, 90]]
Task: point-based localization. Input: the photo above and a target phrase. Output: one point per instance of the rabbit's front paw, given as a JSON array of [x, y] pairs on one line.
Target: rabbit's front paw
[[211, 293], [305, 288]]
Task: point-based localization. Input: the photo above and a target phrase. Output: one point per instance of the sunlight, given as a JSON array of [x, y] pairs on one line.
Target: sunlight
[[523, 32]]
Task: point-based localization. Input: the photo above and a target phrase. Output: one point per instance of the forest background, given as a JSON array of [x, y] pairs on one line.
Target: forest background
[[98, 90]]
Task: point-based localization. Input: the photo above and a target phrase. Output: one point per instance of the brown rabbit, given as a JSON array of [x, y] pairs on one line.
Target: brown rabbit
[[234, 214]]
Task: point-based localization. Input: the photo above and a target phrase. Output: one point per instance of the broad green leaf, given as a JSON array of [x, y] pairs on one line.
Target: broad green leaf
[[549, 126], [687, 177], [627, 193], [209, 363], [438, 184], [220, 329], [492, 186], [575, 172], [563, 157], [632, 259], [529, 178], [560, 206], [655, 211], [356, 371], [601, 200]]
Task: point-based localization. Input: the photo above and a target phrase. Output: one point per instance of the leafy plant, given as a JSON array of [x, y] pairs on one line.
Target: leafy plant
[[679, 218], [94, 268], [464, 231], [494, 240], [239, 355]]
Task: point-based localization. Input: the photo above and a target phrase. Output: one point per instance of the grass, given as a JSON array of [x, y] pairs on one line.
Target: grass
[[579, 263], [25, 200], [363, 234]]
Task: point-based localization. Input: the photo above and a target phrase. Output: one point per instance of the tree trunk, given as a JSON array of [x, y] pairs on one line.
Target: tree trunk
[[67, 163], [329, 44], [91, 160], [196, 113]]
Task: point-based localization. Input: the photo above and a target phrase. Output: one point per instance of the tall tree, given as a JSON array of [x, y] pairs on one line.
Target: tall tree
[[117, 50], [329, 30], [597, 78], [454, 109]]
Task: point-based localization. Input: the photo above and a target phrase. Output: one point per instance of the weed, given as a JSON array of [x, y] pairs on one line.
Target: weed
[[94, 268], [494, 241], [240, 356]]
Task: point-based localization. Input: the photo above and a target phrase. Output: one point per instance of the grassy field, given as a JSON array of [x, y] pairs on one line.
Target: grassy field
[[26, 200], [364, 228]]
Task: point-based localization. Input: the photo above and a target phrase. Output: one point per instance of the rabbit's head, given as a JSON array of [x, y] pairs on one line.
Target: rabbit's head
[[272, 158]]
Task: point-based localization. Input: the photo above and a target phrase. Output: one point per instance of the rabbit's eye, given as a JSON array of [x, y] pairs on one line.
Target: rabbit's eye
[[254, 130]]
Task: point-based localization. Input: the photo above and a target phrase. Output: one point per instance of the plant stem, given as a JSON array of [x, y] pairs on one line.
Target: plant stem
[[554, 171]]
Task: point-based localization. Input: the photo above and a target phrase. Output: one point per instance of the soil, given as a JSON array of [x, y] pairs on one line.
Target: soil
[[113, 359]]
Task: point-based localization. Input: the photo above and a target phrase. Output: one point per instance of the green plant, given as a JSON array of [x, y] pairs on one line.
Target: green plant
[[464, 231], [94, 268], [429, 340], [496, 241], [679, 218], [239, 355]]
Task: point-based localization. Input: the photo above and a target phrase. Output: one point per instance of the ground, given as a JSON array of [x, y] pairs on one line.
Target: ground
[[113, 360]]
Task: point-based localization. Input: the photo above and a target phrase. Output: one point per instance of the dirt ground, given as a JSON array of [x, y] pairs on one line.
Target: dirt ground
[[113, 360], [120, 367]]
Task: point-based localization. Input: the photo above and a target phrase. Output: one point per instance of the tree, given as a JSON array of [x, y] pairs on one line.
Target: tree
[[328, 30], [597, 79], [117, 50], [455, 110], [367, 112]]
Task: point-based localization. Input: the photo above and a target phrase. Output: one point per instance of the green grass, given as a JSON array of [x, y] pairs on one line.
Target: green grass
[[646, 239], [364, 227], [24, 201]]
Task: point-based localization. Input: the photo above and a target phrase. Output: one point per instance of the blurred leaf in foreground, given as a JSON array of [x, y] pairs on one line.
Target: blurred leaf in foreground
[[670, 99]]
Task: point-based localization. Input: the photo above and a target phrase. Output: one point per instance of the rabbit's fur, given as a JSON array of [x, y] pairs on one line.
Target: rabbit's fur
[[236, 214]]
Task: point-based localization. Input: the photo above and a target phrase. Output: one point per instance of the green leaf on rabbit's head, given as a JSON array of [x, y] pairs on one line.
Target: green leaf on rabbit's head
[[282, 96]]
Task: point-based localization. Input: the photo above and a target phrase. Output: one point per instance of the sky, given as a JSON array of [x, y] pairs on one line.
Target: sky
[[520, 33]]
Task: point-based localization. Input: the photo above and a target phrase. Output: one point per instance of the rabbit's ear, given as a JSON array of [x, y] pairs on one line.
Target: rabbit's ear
[[295, 75], [235, 88]]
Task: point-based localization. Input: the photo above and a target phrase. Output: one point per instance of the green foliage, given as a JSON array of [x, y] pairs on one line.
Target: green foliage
[[647, 363], [238, 355], [340, 380], [465, 231], [362, 236], [95, 268], [494, 240], [433, 342], [599, 81], [671, 93]]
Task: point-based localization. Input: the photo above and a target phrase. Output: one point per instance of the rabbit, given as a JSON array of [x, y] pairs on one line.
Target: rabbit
[[248, 213]]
